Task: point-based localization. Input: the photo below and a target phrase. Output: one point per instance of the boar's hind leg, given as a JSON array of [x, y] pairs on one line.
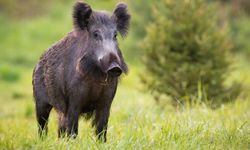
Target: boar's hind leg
[[101, 123], [42, 113]]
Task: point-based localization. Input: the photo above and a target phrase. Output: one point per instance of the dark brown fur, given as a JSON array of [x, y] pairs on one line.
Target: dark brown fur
[[70, 79]]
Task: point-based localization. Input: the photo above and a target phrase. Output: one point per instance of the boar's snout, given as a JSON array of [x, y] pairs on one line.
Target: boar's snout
[[110, 64], [114, 70]]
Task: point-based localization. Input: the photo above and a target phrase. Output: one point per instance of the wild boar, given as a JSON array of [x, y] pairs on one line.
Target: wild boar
[[78, 75]]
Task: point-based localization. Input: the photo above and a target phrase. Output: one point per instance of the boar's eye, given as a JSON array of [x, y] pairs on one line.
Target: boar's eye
[[97, 35], [115, 36]]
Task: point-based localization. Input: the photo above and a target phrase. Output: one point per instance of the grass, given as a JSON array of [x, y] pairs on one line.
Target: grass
[[136, 122]]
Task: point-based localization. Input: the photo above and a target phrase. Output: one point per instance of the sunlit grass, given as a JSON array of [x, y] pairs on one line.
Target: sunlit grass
[[135, 123]]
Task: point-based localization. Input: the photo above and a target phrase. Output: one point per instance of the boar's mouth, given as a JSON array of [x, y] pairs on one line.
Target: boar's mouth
[[114, 70], [87, 66]]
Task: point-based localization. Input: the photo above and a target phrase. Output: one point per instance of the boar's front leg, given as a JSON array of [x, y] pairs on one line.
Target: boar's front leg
[[62, 125], [101, 122], [72, 120]]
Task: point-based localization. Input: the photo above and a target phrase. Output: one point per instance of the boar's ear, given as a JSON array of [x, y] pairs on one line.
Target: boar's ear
[[122, 18], [81, 15]]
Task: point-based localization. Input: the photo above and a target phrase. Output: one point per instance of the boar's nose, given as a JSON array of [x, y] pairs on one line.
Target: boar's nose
[[114, 70]]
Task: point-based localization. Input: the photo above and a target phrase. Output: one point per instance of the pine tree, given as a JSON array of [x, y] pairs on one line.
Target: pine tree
[[186, 52]]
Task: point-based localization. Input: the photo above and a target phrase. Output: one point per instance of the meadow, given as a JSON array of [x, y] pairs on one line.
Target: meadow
[[136, 121]]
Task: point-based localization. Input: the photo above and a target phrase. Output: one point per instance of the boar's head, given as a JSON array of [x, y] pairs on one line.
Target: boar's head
[[101, 54]]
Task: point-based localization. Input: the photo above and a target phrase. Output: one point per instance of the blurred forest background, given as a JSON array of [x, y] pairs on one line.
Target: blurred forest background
[[188, 85]]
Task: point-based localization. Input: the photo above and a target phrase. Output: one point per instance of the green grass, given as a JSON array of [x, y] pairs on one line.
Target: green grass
[[136, 122]]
